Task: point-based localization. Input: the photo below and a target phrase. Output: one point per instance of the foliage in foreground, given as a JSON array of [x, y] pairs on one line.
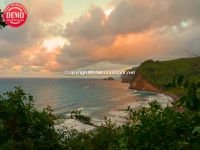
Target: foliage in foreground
[[2, 24], [77, 114], [23, 127]]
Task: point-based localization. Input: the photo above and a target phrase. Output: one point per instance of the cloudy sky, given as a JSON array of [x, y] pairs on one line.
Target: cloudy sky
[[61, 35]]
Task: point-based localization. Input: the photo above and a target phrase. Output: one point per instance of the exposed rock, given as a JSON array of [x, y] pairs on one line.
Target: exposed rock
[[139, 83], [109, 78]]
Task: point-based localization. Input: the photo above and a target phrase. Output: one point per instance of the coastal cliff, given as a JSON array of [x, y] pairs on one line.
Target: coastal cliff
[[140, 83], [169, 77], [127, 77]]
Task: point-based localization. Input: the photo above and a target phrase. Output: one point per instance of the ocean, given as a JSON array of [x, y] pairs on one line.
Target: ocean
[[95, 97]]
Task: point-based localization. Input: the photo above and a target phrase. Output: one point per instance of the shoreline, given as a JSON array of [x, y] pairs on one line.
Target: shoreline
[[141, 84], [120, 111], [174, 97], [118, 114]]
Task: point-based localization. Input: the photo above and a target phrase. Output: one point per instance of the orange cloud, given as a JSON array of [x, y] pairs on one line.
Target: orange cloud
[[17, 68], [38, 58], [130, 47], [126, 32]]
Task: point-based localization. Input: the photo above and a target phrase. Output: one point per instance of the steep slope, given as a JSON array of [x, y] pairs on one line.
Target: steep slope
[[166, 76]]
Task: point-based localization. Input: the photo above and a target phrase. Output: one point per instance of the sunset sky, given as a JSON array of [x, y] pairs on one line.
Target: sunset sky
[[61, 35]]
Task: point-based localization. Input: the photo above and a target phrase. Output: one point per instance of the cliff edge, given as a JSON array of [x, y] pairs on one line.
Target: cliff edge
[[140, 83], [170, 77]]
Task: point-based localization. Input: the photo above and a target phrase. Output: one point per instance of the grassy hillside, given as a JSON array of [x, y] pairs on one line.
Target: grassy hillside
[[171, 75]]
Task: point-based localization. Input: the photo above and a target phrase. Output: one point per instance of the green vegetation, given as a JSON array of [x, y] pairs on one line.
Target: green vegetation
[[172, 76], [2, 24], [192, 99], [77, 114], [23, 127]]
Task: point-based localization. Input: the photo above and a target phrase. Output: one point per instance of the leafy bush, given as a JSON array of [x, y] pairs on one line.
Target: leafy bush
[[162, 128], [192, 100], [23, 127], [77, 114]]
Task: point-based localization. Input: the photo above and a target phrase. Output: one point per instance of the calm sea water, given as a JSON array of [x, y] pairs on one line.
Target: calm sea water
[[96, 97]]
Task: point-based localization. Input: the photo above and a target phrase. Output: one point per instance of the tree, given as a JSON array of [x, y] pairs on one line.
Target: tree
[[22, 126], [2, 23], [174, 81], [191, 101], [154, 127], [180, 80]]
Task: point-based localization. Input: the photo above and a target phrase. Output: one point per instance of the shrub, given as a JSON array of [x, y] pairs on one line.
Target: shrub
[[23, 127], [77, 114]]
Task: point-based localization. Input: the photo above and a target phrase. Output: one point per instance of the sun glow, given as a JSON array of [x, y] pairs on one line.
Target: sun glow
[[54, 43], [108, 12]]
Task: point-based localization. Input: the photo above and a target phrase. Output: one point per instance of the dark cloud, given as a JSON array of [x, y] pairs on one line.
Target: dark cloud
[[134, 17], [87, 26], [20, 48], [135, 31]]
